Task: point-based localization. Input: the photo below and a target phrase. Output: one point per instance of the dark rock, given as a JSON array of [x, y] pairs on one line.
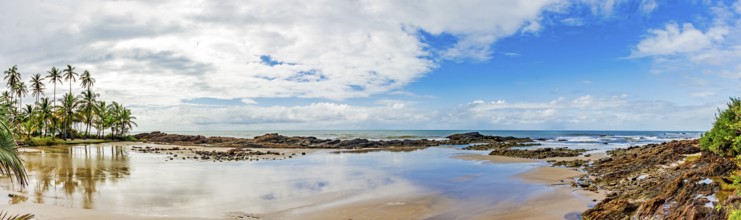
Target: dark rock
[[539, 153], [476, 137]]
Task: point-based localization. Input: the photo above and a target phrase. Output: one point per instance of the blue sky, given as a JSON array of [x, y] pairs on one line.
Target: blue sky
[[546, 64]]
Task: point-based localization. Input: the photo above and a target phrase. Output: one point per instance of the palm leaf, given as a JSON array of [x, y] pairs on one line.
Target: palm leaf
[[5, 216], [10, 163]]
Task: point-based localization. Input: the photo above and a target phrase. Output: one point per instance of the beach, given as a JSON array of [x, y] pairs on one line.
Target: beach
[[197, 181]]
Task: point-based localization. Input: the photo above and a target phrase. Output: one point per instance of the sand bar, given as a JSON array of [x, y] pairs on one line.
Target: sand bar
[[494, 158]]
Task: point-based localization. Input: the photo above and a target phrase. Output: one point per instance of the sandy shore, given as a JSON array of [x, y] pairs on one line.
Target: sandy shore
[[390, 207], [560, 202], [494, 159], [549, 175], [53, 212], [189, 151]]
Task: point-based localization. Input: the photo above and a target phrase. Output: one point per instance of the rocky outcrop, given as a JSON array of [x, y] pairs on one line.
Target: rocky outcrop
[[159, 137], [610, 209], [476, 137], [539, 153], [274, 140], [662, 181]]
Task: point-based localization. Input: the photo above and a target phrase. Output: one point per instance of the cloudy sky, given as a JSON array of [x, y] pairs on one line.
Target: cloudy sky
[[377, 64]]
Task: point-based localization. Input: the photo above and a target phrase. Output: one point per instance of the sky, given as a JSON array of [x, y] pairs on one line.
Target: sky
[[377, 64]]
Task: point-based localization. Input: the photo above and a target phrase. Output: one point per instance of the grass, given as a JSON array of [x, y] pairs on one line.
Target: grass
[[48, 141]]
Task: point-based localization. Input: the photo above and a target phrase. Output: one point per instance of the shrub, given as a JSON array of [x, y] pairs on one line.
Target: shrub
[[725, 136], [40, 141]]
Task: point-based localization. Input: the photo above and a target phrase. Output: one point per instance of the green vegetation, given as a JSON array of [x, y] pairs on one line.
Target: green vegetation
[[725, 136], [69, 117]]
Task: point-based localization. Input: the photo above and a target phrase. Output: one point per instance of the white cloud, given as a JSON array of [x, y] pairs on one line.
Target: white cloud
[[674, 39], [585, 112], [648, 6], [160, 52], [321, 115], [248, 101], [572, 21], [706, 58], [703, 94]]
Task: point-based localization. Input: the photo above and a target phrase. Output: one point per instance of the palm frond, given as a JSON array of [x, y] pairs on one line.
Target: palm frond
[[6, 216], [10, 163]]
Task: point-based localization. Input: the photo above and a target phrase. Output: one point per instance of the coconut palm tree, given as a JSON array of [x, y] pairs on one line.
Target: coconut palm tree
[[86, 81], [13, 77], [20, 90], [126, 120], [69, 75], [45, 113], [87, 106], [54, 77], [67, 113], [113, 115], [102, 117], [27, 122], [37, 86]]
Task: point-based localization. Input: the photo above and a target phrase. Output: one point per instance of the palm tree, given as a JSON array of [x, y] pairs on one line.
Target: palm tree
[[20, 90], [67, 112], [102, 117], [37, 86], [113, 117], [86, 81], [69, 75], [27, 122], [13, 77], [54, 77], [45, 113], [126, 120], [87, 105]]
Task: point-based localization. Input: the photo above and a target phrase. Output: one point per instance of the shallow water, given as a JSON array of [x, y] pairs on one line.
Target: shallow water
[[112, 178]]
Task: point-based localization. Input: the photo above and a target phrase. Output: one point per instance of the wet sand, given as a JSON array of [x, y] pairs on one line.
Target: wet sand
[[387, 207], [494, 158], [560, 202], [54, 212], [549, 175]]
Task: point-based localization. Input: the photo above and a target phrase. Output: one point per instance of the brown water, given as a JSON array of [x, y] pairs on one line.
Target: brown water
[[112, 178]]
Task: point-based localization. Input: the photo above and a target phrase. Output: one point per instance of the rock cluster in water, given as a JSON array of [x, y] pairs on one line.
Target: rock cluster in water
[[274, 140], [234, 154], [576, 163], [476, 137], [539, 153]]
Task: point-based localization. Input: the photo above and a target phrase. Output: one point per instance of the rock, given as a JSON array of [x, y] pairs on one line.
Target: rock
[[660, 180], [610, 209], [539, 153], [570, 163], [476, 137]]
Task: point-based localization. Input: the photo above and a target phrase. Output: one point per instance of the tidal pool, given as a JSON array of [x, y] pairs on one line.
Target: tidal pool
[[112, 178]]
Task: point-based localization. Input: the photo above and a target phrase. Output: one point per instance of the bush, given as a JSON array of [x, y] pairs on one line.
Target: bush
[[40, 141], [725, 136]]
